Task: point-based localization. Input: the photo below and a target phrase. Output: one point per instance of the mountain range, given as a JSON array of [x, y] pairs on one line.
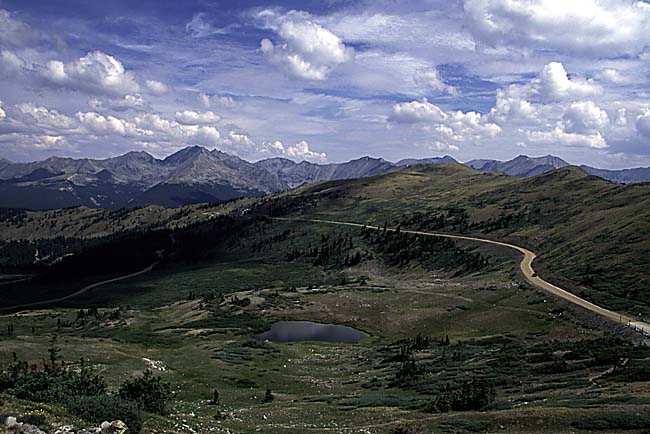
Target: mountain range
[[198, 175]]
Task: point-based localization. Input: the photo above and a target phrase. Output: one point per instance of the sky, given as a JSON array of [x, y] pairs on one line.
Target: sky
[[327, 80]]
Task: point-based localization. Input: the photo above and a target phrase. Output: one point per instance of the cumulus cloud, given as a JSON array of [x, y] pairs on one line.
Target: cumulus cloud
[[46, 142], [584, 118], [417, 111], [239, 140], [611, 75], [558, 136], [510, 109], [29, 114], [643, 124], [14, 32], [11, 64], [452, 125], [603, 27], [430, 79], [443, 147], [96, 72], [156, 87], [554, 83], [275, 147], [299, 152], [3, 114], [551, 84], [192, 117], [109, 125], [306, 49]]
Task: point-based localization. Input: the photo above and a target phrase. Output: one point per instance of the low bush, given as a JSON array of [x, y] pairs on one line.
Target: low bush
[[150, 393], [97, 409]]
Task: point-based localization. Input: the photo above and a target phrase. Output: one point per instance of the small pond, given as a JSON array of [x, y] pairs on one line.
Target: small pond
[[297, 331]]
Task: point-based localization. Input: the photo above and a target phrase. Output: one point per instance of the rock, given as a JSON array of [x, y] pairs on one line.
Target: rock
[[115, 427], [12, 425]]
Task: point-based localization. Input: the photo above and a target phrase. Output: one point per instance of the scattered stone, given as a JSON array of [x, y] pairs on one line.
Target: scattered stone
[[12, 425]]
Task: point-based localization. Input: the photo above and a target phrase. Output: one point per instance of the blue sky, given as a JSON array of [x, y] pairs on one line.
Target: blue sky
[[327, 80]]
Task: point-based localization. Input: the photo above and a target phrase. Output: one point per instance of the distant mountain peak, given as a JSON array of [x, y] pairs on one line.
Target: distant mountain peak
[[431, 160], [186, 154]]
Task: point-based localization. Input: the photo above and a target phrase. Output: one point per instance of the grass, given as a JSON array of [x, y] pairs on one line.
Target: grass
[[186, 322]]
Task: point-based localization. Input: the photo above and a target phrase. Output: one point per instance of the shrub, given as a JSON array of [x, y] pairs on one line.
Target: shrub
[[472, 395], [52, 385], [36, 419], [96, 409], [150, 393]]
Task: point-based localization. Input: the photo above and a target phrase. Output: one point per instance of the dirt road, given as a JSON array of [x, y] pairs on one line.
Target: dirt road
[[77, 293], [526, 266]]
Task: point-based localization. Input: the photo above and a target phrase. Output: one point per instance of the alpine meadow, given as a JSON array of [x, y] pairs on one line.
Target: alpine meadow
[[355, 217]]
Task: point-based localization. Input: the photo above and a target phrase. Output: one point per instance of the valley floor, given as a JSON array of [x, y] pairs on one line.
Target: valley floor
[[193, 325]]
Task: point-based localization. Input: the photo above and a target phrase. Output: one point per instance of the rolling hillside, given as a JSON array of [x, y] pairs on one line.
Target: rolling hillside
[[587, 230], [590, 233]]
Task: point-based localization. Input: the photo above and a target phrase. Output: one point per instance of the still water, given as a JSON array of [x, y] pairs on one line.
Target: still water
[[297, 331]]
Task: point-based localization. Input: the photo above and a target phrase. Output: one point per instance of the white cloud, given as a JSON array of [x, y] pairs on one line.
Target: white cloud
[[11, 64], [559, 137], [307, 50], [156, 87], [47, 142], [301, 151], [453, 125], [128, 102], [34, 116], [96, 72], [554, 83], [643, 124], [439, 146], [198, 27], [509, 109], [275, 147], [187, 134], [239, 139], [551, 84], [13, 32], [584, 118], [192, 117], [430, 79], [109, 125], [215, 100], [3, 114], [602, 27], [611, 75], [417, 111]]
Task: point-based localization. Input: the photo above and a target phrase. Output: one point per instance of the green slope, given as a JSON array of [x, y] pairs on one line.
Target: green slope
[[591, 235]]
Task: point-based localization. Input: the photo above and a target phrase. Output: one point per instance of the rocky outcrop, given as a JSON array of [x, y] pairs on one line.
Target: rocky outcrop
[[12, 426]]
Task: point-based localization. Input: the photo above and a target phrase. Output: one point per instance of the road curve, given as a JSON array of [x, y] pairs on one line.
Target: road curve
[[77, 293], [526, 266]]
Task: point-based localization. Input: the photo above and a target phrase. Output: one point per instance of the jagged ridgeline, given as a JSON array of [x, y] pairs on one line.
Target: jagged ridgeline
[[198, 175]]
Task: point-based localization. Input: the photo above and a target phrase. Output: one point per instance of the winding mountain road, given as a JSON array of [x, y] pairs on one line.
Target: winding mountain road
[[526, 266], [77, 293]]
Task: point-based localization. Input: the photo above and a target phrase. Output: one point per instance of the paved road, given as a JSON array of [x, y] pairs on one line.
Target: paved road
[[77, 293], [526, 266]]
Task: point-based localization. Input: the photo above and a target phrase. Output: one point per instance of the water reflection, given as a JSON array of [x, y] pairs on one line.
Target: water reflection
[[297, 331]]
